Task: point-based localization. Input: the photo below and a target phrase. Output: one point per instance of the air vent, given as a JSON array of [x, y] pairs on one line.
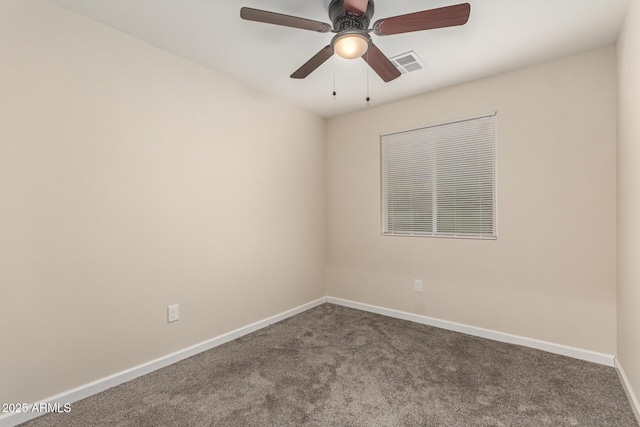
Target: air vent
[[408, 62]]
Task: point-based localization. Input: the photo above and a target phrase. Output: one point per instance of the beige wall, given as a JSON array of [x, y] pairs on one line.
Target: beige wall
[[551, 273], [629, 197], [131, 179]]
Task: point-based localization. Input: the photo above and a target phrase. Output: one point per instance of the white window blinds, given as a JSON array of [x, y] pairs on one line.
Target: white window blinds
[[441, 180]]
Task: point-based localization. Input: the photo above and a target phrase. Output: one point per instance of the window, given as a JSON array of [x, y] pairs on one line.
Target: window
[[440, 180]]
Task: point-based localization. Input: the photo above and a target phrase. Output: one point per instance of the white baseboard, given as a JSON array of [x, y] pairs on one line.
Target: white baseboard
[[633, 399], [82, 392], [576, 353]]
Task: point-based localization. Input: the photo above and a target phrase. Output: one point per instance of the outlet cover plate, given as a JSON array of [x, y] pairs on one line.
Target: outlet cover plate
[[417, 285], [172, 313]]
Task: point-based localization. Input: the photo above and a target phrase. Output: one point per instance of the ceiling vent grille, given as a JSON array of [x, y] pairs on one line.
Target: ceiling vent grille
[[408, 62]]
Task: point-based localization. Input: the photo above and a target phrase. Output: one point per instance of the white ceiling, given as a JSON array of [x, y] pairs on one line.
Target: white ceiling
[[501, 35]]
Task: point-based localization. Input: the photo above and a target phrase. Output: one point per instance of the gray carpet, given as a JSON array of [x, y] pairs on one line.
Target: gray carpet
[[335, 366]]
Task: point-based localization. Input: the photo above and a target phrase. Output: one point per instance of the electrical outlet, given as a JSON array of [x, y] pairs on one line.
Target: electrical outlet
[[417, 285], [172, 313]]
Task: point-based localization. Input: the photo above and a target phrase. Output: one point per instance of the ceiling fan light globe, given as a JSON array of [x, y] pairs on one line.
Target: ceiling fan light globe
[[351, 46]]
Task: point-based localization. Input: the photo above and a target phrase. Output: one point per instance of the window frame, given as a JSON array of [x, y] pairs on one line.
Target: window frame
[[434, 186]]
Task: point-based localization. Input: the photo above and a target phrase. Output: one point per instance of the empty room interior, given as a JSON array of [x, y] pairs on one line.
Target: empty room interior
[[158, 154]]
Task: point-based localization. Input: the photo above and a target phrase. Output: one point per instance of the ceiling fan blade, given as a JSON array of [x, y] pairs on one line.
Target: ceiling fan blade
[[356, 7], [381, 64], [449, 16], [317, 60], [258, 15]]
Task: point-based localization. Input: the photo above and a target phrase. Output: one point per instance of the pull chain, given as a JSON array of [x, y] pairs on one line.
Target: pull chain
[[334, 75], [368, 99]]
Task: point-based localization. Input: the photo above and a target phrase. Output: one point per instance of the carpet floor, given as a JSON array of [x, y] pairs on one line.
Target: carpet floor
[[336, 366]]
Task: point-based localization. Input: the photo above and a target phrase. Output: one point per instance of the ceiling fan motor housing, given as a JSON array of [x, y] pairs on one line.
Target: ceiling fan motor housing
[[342, 20]]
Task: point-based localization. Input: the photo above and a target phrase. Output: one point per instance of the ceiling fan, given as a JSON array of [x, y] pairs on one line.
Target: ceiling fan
[[351, 20]]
